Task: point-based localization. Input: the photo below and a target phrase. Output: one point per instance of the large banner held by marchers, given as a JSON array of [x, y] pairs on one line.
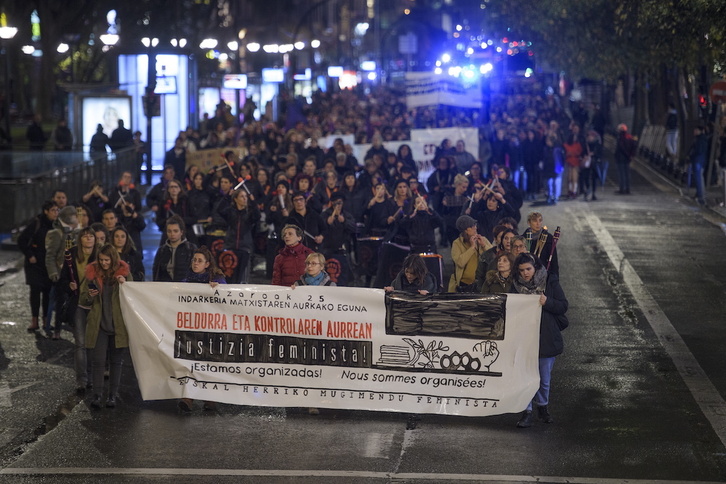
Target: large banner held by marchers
[[334, 347]]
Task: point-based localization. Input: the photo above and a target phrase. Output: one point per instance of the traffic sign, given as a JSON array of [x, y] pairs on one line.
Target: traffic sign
[[718, 92]]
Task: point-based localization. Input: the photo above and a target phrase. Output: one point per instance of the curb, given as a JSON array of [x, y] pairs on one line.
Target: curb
[[11, 259], [719, 210]]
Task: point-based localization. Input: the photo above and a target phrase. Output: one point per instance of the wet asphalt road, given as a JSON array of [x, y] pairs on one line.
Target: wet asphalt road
[[636, 397]]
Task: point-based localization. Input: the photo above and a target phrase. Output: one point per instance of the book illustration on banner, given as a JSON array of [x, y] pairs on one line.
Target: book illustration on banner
[[474, 316], [433, 357]]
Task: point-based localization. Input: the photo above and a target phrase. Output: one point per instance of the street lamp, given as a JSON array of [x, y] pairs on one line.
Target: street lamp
[[7, 33], [109, 40]]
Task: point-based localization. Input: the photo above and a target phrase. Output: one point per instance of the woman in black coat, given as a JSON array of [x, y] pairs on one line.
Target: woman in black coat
[[240, 219], [530, 277], [121, 240], [414, 277], [31, 243]]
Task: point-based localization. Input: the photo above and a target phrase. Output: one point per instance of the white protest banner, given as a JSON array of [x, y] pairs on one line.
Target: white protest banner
[[423, 146], [334, 347], [327, 141], [430, 89]]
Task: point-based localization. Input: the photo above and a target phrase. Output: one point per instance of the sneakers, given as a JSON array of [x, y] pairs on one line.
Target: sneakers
[[111, 402], [544, 414], [526, 420], [96, 402]]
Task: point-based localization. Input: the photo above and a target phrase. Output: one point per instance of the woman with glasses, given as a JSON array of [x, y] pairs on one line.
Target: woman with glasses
[[315, 274]]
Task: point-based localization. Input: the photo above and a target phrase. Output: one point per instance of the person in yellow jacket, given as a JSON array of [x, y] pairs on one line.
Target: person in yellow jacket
[[105, 330], [465, 251]]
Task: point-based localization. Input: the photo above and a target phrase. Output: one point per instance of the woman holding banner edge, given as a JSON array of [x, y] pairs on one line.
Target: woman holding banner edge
[[531, 277]]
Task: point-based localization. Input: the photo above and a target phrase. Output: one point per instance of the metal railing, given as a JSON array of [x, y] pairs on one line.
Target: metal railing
[[29, 178]]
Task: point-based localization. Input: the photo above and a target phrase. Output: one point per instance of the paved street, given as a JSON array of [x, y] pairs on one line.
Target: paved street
[[638, 395]]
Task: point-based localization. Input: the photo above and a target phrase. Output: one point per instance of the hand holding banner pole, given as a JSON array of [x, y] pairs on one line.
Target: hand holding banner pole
[[555, 238]]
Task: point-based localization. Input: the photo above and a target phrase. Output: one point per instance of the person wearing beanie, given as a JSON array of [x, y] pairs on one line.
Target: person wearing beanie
[[465, 251]]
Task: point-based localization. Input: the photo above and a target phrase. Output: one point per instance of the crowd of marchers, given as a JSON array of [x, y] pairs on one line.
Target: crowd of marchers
[[298, 208]]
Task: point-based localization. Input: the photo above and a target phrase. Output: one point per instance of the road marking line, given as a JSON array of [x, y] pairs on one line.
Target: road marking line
[[704, 392], [150, 471], [377, 445], [57, 357], [5, 395], [6, 392]]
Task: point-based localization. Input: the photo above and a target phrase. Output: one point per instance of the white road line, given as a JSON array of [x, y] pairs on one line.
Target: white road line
[[6, 392], [703, 391], [58, 356], [409, 476], [377, 445]]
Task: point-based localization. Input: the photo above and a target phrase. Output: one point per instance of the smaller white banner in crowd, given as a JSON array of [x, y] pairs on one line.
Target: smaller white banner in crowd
[[334, 347], [423, 144], [429, 89]]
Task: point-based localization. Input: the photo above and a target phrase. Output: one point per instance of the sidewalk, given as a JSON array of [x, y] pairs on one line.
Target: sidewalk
[[11, 259], [715, 195]]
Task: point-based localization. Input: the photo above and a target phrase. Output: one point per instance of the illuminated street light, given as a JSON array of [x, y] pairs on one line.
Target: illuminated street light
[[253, 47], [271, 48], [299, 45], [146, 41], [446, 58], [109, 39], [233, 45], [315, 44], [208, 44], [6, 34], [28, 49], [361, 29], [63, 48]]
